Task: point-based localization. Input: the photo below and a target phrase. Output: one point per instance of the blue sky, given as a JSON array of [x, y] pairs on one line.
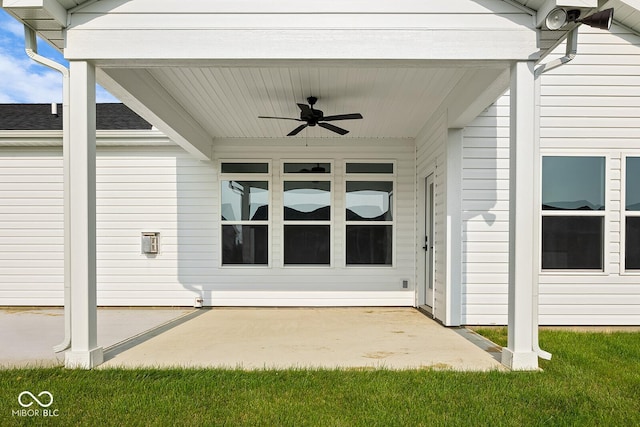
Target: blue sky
[[24, 81]]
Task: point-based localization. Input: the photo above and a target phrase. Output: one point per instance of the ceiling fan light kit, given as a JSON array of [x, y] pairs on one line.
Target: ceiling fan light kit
[[313, 117]]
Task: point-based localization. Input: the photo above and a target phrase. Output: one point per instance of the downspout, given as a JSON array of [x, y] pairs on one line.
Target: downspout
[[31, 48], [571, 51]]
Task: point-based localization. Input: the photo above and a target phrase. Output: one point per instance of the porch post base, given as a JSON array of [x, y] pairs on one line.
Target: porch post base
[[83, 359], [520, 361]]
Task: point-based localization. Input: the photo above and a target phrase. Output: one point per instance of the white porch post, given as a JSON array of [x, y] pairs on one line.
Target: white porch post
[[519, 353], [84, 352]]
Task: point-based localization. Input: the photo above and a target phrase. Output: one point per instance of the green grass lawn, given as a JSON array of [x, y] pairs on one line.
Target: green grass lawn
[[592, 380]]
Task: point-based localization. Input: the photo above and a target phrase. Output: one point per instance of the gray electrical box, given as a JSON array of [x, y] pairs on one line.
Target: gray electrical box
[[150, 242]]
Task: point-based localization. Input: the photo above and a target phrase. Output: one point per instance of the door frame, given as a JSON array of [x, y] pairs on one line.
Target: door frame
[[425, 300]]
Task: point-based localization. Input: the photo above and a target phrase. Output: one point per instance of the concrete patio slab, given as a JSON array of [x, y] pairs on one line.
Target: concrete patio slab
[[27, 335], [277, 338]]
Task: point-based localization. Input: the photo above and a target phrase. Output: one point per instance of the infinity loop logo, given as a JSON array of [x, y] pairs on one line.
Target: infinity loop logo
[[34, 398]]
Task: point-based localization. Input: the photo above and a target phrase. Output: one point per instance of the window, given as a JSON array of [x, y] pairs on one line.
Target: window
[[307, 214], [632, 213], [369, 214], [245, 214], [386, 168], [573, 208]]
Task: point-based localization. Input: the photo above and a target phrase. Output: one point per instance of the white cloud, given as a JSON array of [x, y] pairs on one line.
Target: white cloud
[[24, 81], [12, 26]]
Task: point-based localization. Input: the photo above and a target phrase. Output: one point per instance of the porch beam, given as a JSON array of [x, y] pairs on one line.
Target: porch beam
[[519, 353], [84, 352], [141, 92], [513, 43]]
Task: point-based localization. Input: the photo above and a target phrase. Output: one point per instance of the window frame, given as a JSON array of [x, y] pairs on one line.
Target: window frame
[[370, 177], [247, 176], [605, 214], [310, 177]]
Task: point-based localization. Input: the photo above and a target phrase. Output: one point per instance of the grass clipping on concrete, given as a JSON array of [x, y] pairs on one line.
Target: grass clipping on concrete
[[593, 379]]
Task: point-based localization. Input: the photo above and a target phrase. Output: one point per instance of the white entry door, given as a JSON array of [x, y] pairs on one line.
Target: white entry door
[[428, 243]]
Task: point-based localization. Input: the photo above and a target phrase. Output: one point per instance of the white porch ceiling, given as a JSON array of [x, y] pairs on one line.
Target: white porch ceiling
[[226, 102], [202, 103]]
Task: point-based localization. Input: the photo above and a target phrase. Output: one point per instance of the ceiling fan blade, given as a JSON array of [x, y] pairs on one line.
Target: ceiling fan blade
[[297, 130], [352, 116], [333, 128], [281, 118]]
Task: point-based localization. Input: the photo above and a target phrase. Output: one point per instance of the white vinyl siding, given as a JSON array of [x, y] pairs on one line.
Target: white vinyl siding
[[156, 190], [31, 226], [485, 216]]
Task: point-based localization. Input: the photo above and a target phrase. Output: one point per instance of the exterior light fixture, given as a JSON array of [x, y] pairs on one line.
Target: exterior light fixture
[[560, 17], [601, 20], [556, 19]]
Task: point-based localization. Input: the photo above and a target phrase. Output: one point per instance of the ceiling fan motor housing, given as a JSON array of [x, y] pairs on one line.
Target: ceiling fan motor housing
[[313, 118]]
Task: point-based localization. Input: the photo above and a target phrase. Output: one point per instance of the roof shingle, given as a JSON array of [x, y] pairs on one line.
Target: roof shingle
[[39, 117]]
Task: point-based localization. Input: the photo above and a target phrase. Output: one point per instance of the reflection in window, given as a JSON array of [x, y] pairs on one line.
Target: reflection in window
[[245, 244], [370, 168], [632, 238], [573, 183], [307, 244], [369, 244], [572, 242], [244, 207], [307, 201], [307, 168], [244, 168], [632, 214], [573, 204], [369, 201], [244, 200], [369, 222], [632, 184]]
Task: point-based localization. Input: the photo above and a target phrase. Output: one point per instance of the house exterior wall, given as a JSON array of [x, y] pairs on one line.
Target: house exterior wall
[[588, 108], [165, 190]]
